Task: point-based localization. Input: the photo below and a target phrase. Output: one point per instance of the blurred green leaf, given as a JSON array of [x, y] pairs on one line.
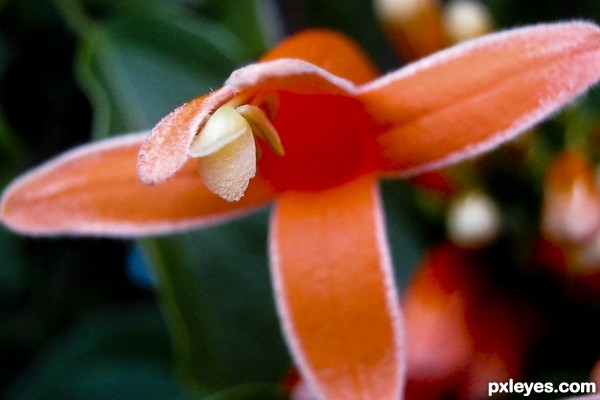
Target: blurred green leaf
[[215, 286], [255, 22], [405, 240], [357, 19], [114, 354], [137, 67], [11, 247], [13, 264], [11, 151]]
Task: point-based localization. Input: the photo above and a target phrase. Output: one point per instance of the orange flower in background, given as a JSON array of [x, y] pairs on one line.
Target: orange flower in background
[[312, 128], [595, 376], [463, 331], [414, 27], [571, 213], [571, 221]]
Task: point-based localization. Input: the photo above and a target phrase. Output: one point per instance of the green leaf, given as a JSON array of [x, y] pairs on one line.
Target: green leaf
[[116, 353], [13, 265], [137, 67], [11, 151], [11, 247], [215, 287], [255, 22], [343, 15], [405, 240]]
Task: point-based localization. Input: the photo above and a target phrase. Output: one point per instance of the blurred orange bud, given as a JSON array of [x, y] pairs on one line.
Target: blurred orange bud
[[414, 27], [595, 376], [571, 209], [435, 303], [462, 332], [466, 19]]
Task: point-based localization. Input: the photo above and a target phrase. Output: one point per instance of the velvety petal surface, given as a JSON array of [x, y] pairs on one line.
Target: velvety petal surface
[[95, 190], [311, 62], [335, 291], [470, 98], [166, 149]]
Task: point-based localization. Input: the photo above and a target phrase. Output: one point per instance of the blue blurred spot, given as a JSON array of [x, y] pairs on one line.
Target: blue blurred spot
[[138, 270]]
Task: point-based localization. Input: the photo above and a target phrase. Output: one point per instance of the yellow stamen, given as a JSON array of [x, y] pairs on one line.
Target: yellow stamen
[[228, 171], [226, 150], [262, 127], [224, 126]]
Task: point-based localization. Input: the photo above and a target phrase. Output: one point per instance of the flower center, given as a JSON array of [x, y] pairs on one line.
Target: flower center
[[226, 149], [324, 136], [328, 141]]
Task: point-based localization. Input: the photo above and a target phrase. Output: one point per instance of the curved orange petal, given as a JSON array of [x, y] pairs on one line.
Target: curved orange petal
[[166, 149], [315, 61], [335, 291], [475, 96], [329, 50], [94, 190]]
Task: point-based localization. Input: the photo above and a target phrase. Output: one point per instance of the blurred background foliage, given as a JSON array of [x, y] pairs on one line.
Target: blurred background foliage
[[86, 319]]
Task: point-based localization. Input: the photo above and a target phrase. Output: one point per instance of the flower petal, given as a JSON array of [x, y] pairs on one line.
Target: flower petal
[[166, 149], [475, 96], [94, 190], [335, 291], [290, 75], [329, 50], [316, 61]]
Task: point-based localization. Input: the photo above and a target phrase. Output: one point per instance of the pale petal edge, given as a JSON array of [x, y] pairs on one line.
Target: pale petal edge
[[102, 227], [289, 74], [547, 108], [166, 149], [393, 303], [466, 47]]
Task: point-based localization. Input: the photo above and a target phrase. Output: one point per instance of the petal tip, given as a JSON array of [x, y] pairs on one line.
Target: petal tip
[[165, 150]]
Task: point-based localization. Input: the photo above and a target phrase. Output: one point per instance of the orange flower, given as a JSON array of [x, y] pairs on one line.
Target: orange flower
[[571, 213], [312, 128], [463, 331]]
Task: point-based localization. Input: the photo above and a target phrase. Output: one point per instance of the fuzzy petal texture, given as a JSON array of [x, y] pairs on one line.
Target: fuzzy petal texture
[[165, 150], [335, 291], [469, 99], [316, 61], [95, 190], [288, 75]]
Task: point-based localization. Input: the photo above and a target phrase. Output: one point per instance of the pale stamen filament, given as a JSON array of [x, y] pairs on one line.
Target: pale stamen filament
[[226, 149]]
